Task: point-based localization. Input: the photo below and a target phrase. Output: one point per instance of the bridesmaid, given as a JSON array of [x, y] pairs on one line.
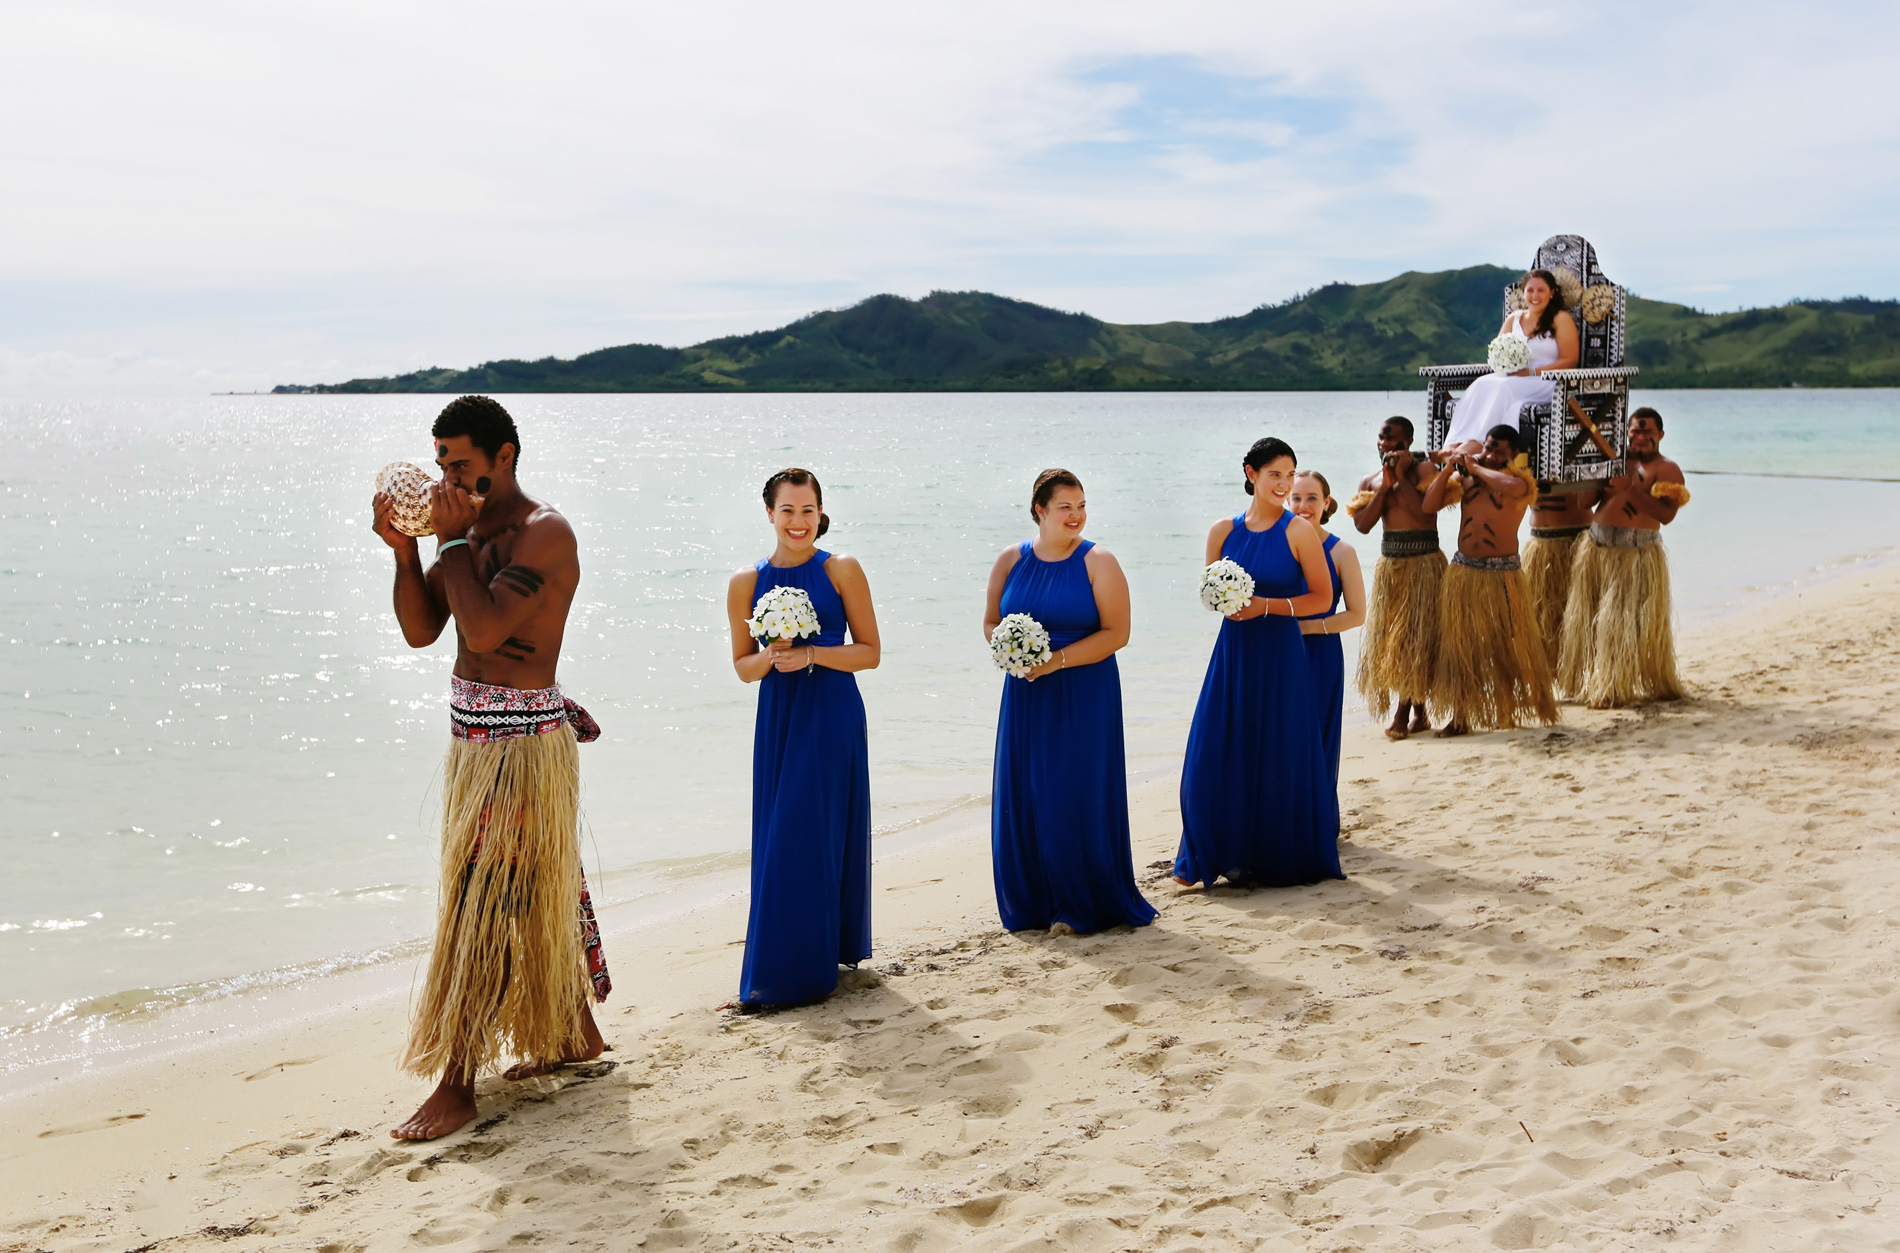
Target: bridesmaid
[[1312, 499], [1059, 806], [811, 788], [1257, 801]]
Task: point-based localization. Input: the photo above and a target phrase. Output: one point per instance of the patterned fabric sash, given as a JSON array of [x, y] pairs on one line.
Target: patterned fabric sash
[[1623, 536], [481, 712], [1407, 543], [1557, 532], [1495, 565]]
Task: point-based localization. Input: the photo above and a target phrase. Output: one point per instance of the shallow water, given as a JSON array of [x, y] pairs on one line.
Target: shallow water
[[219, 758]]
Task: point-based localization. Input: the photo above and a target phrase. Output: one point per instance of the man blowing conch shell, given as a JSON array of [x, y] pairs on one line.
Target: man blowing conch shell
[[517, 955]]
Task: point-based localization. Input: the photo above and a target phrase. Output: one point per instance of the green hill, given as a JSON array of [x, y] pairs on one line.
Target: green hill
[[1341, 337]]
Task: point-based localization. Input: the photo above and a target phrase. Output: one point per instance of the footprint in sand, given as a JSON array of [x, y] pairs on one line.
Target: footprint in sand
[[91, 1124]]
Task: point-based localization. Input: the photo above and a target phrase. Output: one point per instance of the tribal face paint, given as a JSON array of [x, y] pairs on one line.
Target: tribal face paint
[[442, 451], [482, 485]]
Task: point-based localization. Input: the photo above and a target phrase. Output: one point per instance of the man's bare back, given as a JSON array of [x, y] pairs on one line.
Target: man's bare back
[[1557, 510]]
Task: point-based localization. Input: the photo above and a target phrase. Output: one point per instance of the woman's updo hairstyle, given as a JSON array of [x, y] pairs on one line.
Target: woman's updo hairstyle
[[1264, 453], [1046, 484], [798, 478], [1326, 490], [1548, 318]]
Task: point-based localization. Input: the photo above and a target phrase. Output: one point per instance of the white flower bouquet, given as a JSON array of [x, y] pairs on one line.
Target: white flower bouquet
[[1508, 353], [784, 613], [1019, 644], [1226, 587]]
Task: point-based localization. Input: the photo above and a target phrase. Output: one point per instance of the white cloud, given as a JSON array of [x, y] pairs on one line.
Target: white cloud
[[223, 195]]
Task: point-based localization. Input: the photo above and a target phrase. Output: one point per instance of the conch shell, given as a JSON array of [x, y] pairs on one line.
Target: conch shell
[[407, 485]]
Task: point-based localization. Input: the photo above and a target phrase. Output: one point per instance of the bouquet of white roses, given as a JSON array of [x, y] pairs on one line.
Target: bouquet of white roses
[[1226, 587], [1508, 353], [784, 613], [1019, 644]]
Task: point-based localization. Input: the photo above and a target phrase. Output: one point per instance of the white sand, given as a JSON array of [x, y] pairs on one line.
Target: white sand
[[1625, 984]]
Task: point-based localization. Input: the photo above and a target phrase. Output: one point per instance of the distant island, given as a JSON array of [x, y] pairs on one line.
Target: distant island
[[1342, 337]]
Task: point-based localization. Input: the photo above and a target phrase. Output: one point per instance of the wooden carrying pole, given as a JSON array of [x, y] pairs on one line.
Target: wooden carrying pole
[[1590, 428]]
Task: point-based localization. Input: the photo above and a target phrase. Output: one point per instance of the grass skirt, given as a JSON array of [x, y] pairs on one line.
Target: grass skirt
[[1491, 670], [1618, 646], [1547, 570], [1401, 639], [508, 973]]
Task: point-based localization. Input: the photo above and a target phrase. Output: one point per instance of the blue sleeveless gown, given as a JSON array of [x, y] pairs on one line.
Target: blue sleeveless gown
[[1059, 804], [1328, 658], [811, 816], [1257, 801]]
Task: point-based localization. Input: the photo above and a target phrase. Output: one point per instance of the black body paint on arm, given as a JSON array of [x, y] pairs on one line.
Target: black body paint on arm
[[521, 580]]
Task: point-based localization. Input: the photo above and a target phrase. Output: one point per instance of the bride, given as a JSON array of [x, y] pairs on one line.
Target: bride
[[1494, 399]]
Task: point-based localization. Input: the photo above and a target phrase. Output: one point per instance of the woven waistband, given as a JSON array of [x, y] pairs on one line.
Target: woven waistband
[[1493, 565], [1408, 543], [1623, 536], [1557, 532], [482, 712]]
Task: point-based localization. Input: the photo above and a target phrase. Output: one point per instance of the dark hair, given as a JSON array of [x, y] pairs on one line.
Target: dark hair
[[1046, 484], [1651, 414], [1326, 490], [1404, 424], [1548, 318], [798, 478], [1264, 453], [484, 421], [1509, 434]]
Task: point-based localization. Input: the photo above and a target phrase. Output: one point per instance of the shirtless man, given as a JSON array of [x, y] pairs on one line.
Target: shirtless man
[[1557, 519], [1401, 640], [1618, 645], [514, 960], [1491, 668]]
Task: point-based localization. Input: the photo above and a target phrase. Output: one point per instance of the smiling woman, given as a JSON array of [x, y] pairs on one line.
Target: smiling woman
[[811, 782]]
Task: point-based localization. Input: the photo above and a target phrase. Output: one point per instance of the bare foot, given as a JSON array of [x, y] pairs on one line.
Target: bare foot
[[449, 1108], [1397, 730], [1061, 928], [1420, 723], [592, 1046], [1186, 883], [1451, 730], [1395, 733]]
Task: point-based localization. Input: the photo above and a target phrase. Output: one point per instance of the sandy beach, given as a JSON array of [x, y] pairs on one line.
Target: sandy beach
[[1627, 983]]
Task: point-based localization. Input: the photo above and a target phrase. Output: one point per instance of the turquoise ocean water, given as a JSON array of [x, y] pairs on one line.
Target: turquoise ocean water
[[219, 760]]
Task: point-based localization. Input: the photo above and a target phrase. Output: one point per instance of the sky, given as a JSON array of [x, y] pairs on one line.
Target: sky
[[200, 197]]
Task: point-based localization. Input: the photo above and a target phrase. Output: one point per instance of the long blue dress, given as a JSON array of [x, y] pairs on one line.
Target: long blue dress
[[1257, 801], [1328, 659], [811, 815], [1059, 804]]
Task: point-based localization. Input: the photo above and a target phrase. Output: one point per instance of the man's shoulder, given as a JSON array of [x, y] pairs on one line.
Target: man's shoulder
[[1662, 467]]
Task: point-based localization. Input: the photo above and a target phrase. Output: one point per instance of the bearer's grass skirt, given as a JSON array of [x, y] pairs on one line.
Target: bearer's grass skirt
[[1491, 670], [1547, 560], [1401, 639], [1618, 646], [509, 972]]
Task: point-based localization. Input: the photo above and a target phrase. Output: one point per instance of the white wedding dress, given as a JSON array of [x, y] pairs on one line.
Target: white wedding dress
[[1494, 399]]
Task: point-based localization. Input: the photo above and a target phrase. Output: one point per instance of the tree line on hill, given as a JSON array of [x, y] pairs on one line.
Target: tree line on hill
[[1344, 336]]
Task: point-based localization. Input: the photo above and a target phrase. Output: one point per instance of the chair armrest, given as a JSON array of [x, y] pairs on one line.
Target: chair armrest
[[1453, 373], [1585, 376]]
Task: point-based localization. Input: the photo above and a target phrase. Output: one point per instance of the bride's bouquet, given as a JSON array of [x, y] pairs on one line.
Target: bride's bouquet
[[1509, 353], [1226, 587], [784, 613], [1019, 644]]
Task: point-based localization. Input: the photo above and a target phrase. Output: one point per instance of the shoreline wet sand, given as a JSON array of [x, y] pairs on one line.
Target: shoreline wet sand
[[1622, 982]]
